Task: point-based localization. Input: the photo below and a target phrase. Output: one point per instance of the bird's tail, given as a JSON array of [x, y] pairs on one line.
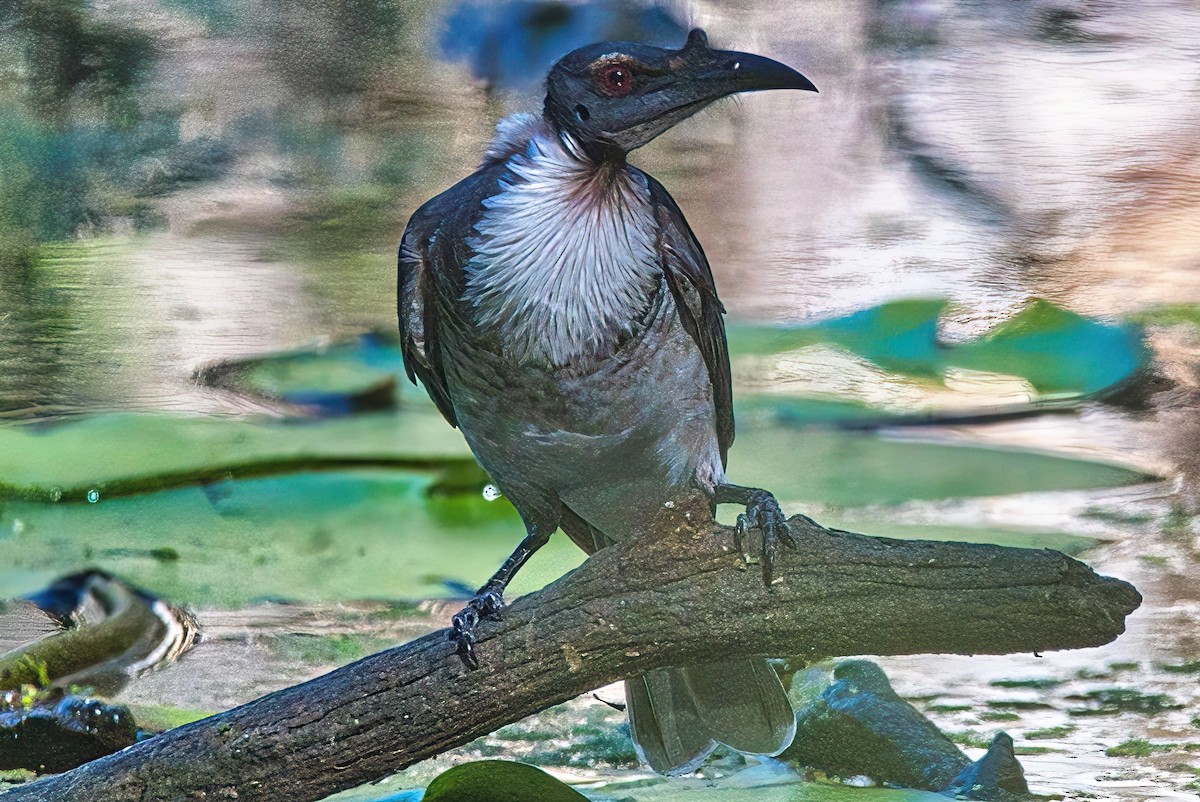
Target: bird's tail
[[677, 716]]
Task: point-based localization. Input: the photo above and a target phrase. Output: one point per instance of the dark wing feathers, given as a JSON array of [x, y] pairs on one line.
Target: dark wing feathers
[[700, 310], [416, 306]]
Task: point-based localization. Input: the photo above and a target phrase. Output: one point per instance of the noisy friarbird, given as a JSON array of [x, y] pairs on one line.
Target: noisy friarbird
[[558, 309]]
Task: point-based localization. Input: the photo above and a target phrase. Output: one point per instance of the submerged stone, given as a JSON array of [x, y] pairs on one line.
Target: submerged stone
[[56, 737], [995, 777], [860, 726]]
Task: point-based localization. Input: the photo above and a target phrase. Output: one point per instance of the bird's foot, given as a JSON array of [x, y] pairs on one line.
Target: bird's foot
[[763, 513], [487, 605]]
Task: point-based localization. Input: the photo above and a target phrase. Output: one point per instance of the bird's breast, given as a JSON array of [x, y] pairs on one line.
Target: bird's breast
[[565, 260]]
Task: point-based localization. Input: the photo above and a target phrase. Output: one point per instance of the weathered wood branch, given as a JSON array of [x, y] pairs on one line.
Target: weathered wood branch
[[682, 598]]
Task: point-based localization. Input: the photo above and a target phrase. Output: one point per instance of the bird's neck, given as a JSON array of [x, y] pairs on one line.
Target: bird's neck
[[565, 260]]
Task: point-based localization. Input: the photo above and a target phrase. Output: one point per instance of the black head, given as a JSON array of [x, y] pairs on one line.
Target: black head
[[617, 96]]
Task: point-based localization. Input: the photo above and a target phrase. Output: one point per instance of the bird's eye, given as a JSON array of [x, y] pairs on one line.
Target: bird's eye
[[615, 80]]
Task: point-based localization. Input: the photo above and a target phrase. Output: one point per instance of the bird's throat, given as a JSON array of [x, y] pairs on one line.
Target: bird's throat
[[565, 260]]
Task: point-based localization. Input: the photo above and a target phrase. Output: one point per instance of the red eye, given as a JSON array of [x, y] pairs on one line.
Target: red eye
[[615, 80]]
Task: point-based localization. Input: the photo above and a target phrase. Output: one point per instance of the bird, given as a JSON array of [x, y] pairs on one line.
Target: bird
[[559, 310]]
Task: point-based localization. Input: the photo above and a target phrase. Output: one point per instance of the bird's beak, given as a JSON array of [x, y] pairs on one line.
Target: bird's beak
[[693, 77], [712, 74]]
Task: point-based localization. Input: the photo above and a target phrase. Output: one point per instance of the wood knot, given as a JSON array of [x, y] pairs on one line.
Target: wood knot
[[573, 658]]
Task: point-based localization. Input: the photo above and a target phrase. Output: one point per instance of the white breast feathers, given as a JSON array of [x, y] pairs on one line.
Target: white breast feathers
[[565, 258]]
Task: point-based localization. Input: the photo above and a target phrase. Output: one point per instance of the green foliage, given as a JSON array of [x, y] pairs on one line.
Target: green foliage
[[498, 781], [1170, 315], [327, 536], [1059, 352], [159, 718], [72, 54], [900, 336], [58, 179], [854, 468], [321, 650], [76, 146]]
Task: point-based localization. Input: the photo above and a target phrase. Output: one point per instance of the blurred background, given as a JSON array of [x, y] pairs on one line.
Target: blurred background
[[963, 286]]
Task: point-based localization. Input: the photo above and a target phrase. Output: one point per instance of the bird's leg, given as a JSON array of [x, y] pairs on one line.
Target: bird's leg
[[763, 513], [488, 601]]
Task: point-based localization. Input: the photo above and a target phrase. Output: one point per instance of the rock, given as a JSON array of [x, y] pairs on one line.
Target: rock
[[995, 777], [55, 737], [860, 726]]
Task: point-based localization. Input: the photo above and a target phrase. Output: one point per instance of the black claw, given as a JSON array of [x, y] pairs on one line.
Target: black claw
[[739, 535], [763, 513], [486, 606]]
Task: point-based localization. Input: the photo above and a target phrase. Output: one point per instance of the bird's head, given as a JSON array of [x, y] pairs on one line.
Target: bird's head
[[617, 96]]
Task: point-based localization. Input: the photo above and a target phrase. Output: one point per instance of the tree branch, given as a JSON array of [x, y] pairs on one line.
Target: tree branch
[[682, 598]]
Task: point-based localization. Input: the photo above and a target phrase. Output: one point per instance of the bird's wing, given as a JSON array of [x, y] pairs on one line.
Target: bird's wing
[[417, 309], [700, 310]]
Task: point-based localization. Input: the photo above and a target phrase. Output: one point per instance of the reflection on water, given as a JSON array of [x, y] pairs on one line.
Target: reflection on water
[[196, 181], [984, 153]]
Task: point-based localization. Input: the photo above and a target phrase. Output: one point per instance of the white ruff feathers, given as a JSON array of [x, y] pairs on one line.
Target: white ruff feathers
[[565, 257]]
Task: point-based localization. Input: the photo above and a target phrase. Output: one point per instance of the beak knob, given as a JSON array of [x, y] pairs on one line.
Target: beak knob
[[696, 38]]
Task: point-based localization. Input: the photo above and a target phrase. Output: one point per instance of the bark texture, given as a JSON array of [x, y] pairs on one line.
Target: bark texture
[[679, 599]]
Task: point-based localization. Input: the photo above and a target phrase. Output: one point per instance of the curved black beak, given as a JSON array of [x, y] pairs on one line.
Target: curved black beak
[[696, 75], [725, 72], [698, 69], [746, 72]]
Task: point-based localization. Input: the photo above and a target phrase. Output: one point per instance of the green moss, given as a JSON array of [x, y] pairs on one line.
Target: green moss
[[16, 776], [1178, 522], [1093, 673], [998, 715], [1136, 747], [1032, 750], [1038, 683], [1109, 701], [948, 708], [968, 738], [1192, 667], [1017, 704], [1060, 731], [1139, 747], [1115, 516]]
